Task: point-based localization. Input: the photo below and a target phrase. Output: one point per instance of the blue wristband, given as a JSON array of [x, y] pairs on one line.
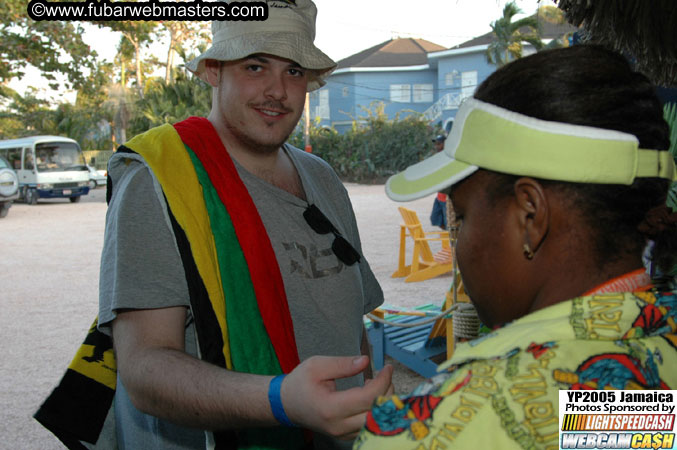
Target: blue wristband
[[275, 400]]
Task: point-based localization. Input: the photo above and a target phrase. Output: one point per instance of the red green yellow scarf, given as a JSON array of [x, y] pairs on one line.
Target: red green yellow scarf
[[237, 264]]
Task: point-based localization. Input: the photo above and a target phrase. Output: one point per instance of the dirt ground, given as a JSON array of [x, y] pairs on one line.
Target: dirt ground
[[49, 272]]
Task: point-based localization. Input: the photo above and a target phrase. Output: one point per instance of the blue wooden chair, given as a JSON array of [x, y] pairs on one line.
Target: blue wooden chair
[[421, 347], [413, 346]]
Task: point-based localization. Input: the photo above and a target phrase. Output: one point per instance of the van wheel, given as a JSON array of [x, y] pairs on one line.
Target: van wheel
[[92, 185], [32, 197], [4, 209], [74, 199]]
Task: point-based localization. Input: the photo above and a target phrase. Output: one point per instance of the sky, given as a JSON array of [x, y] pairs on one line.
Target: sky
[[345, 27]]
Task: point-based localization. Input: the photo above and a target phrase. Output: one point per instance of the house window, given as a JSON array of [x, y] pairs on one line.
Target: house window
[[400, 93], [468, 83], [423, 93], [345, 91], [449, 77], [323, 108]]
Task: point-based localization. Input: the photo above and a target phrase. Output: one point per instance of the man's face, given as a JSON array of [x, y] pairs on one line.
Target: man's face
[[439, 146], [258, 100]]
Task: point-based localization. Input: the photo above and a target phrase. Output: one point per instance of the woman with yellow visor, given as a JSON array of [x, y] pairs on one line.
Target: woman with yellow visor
[[558, 172]]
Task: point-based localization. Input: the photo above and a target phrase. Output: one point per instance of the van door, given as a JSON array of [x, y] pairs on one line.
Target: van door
[[28, 173]]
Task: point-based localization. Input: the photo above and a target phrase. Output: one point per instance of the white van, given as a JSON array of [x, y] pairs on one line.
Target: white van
[[47, 167]]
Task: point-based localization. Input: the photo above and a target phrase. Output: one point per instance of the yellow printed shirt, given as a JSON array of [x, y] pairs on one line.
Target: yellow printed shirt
[[501, 391]]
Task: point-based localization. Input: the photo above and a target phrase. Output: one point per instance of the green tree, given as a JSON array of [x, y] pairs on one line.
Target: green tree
[[42, 44], [510, 36], [554, 15], [170, 103], [375, 147], [136, 34], [120, 101], [26, 115], [90, 127], [89, 119], [178, 33]]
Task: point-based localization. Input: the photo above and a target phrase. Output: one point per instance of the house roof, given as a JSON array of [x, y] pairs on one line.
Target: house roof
[[393, 53], [549, 30]]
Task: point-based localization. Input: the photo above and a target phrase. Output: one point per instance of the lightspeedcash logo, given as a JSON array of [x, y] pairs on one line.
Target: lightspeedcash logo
[[617, 419]]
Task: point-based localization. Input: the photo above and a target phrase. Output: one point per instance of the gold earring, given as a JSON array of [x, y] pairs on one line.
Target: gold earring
[[528, 253]]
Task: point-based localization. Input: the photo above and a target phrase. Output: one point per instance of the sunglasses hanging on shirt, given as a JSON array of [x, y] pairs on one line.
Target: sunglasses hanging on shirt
[[321, 225]]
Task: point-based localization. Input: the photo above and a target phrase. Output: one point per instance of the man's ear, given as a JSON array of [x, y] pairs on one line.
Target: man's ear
[[534, 211], [212, 72]]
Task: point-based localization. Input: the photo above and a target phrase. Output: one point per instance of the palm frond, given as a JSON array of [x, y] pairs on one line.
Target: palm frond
[[643, 29], [670, 116], [527, 22]]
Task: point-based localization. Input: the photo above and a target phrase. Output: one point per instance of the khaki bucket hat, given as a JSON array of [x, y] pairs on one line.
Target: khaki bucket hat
[[288, 32]]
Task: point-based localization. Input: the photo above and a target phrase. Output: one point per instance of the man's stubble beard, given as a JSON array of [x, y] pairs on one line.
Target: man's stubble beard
[[251, 142], [254, 145]]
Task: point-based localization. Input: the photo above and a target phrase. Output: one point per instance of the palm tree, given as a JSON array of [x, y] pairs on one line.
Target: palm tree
[[555, 16], [510, 36], [119, 101], [180, 32], [169, 103]]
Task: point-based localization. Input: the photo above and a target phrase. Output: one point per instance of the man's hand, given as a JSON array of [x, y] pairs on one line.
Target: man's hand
[[164, 381], [310, 398]]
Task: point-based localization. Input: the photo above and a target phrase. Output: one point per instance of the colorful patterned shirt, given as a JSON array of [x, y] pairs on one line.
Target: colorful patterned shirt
[[500, 391]]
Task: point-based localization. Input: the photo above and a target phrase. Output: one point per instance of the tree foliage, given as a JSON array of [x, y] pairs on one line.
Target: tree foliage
[[26, 115], [180, 32], [376, 146], [110, 102], [136, 35], [42, 44], [670, 116], [172, 102], [120, 99], [554, 15], [510, 36]]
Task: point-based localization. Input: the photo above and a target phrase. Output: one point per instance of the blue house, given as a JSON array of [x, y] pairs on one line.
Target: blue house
[[410, 75], [396, 73], [462, 68]]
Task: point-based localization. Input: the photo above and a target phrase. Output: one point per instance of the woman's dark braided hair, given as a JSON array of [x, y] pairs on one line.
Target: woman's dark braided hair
[[589, 85]]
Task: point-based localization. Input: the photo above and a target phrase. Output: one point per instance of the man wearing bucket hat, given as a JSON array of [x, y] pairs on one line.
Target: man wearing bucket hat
[[558, 172], [231, 261]]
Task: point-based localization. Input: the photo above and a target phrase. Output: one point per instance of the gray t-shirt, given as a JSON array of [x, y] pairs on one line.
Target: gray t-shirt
[[141, 268]]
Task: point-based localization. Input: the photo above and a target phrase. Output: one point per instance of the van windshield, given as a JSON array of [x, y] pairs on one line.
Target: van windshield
[[59, 157]]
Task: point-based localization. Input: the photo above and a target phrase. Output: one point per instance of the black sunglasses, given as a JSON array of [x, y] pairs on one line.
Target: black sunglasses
[[321, 225]]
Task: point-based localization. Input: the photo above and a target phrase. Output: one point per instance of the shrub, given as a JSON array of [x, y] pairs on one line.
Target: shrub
[[375, 148]]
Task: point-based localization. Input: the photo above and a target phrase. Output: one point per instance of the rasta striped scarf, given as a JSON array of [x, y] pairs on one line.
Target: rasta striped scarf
[[236, 290]]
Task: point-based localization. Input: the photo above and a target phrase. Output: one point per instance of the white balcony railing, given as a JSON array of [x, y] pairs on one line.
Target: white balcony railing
[[448, 101]]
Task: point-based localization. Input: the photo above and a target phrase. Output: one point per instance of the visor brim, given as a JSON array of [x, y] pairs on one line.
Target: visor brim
[[427, 177]]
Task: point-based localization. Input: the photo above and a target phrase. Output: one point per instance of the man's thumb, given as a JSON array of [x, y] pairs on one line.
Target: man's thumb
[[342, 367]]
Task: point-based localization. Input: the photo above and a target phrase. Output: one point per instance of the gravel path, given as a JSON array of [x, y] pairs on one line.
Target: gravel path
[[49, 271]]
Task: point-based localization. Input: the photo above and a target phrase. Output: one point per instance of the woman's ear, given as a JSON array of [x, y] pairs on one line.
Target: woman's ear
[[212, 72], [533, 210]]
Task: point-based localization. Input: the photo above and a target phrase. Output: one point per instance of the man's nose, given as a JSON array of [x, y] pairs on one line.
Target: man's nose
[[276, 88]]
